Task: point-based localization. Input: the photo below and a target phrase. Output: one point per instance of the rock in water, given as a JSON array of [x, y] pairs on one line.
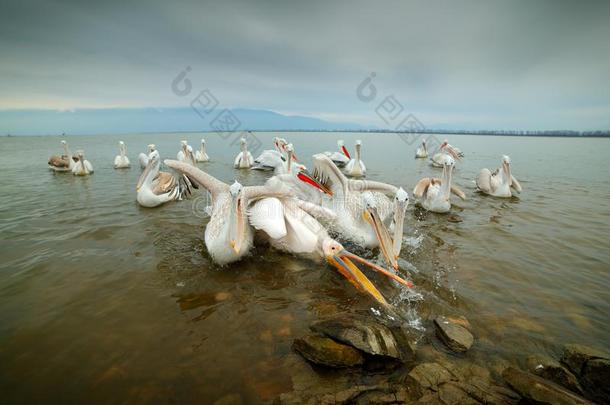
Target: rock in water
[[576, 356], [550, 369], [538, 390], [364, 334], [595, 379], [327, 352], [426, 378], [456, 337]]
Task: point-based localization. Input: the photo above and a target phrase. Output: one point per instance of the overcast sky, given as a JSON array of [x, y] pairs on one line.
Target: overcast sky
[[475, 64]]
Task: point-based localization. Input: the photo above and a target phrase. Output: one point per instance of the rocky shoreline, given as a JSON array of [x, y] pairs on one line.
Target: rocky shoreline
[[373, 360]]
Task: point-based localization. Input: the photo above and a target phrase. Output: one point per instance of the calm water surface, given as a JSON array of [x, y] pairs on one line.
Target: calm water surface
[[102, 300]]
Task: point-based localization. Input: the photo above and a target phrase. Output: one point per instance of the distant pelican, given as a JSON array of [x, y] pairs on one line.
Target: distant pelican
[[228, 235], [186, 154], [356, 167], [434, 194], [244, 159], [201, 155], [341, 157], [445, 153], [422, 151], [143, 157], [500, 182], [155, 187], [82, 167], [63, 163], [121, 161]]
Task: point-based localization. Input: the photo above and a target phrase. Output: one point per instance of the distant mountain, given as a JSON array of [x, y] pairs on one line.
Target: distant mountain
[[129, 120]]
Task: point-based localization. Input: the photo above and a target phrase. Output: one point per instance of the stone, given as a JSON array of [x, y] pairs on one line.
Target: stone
[[455, 336], [364, 334], [595, 379], [576, 356], [551, 369], [539, 390], [451, 393], [426, 377], [325, 351]]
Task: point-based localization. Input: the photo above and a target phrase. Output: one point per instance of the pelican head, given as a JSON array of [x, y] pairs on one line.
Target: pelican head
[[506, 159], [371, 215], [449, 161], [64, 142], [154, 160], [81, 155], [202, 141], [237, 218], [121, 143], [151, 147]]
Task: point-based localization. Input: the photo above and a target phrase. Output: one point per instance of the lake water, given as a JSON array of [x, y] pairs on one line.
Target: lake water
[[102, 300]]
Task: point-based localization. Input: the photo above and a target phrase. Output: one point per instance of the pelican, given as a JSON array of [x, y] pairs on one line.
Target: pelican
[[82, 167], [63, 163], [445, 153], [434, 194], [228, 235], [291, 225], [363, 208], [422, 151], [201, 155], [186, 153], [244, 159], [340, 158], [500, 182], [155, 187], [121, 161], [143, 157], [280, 144], [355, 167]]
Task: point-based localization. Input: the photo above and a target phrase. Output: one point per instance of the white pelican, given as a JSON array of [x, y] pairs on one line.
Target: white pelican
[[444, 154], [340, 158], [363, 208], [63, 163], [434, 194], [82, 167], [228, 235], [186, 154], [201, 155], [355, 167], [422, 151], [500, 182], [244, 159], [143, 157], [155, 187], [121, 161]]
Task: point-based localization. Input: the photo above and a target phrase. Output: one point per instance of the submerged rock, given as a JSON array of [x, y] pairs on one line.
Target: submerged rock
[[550, 369], [592, 368], [539, 390], [366, 335], [576, 356], [325, 351], [425, 378], [455, 336]]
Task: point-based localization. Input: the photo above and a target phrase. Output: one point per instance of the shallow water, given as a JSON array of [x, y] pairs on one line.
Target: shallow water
[[102, 300]]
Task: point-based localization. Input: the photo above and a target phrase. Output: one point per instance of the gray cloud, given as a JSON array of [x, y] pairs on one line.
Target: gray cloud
[[474, 64]]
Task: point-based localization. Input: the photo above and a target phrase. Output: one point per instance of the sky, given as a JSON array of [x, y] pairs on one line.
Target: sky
[[450, 64]]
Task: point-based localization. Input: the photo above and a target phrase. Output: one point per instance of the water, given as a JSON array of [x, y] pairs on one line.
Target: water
[[102, 300]]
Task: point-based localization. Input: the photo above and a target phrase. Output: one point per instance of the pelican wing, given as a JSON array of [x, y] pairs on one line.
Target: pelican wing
[[164, 183], [210, 183], [238, 159], [515, 184], [269, 159], [58, 161], [458, 192], [271, 189], [484, 181], [268, 215], [372, 186], [316, 210], [422, 187], [88, 166], [118, 160]]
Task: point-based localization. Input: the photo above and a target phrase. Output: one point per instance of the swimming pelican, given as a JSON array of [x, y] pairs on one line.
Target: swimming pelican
[[228, 235], [340, 158], [355, 167], [121, 161], [444, 154], [201, 155], [422, 151], [500, 182], [155, 187], [143, 157], [244, 159], [434, 194], [291, 225], [82, 167], [363, 208], [186, 153], [63, 163]]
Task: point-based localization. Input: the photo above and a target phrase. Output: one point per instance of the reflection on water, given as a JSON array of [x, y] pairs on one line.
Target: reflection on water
[[102, 299]]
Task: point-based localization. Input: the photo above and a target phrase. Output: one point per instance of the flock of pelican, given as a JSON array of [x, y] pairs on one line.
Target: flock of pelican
[[297, 210]]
